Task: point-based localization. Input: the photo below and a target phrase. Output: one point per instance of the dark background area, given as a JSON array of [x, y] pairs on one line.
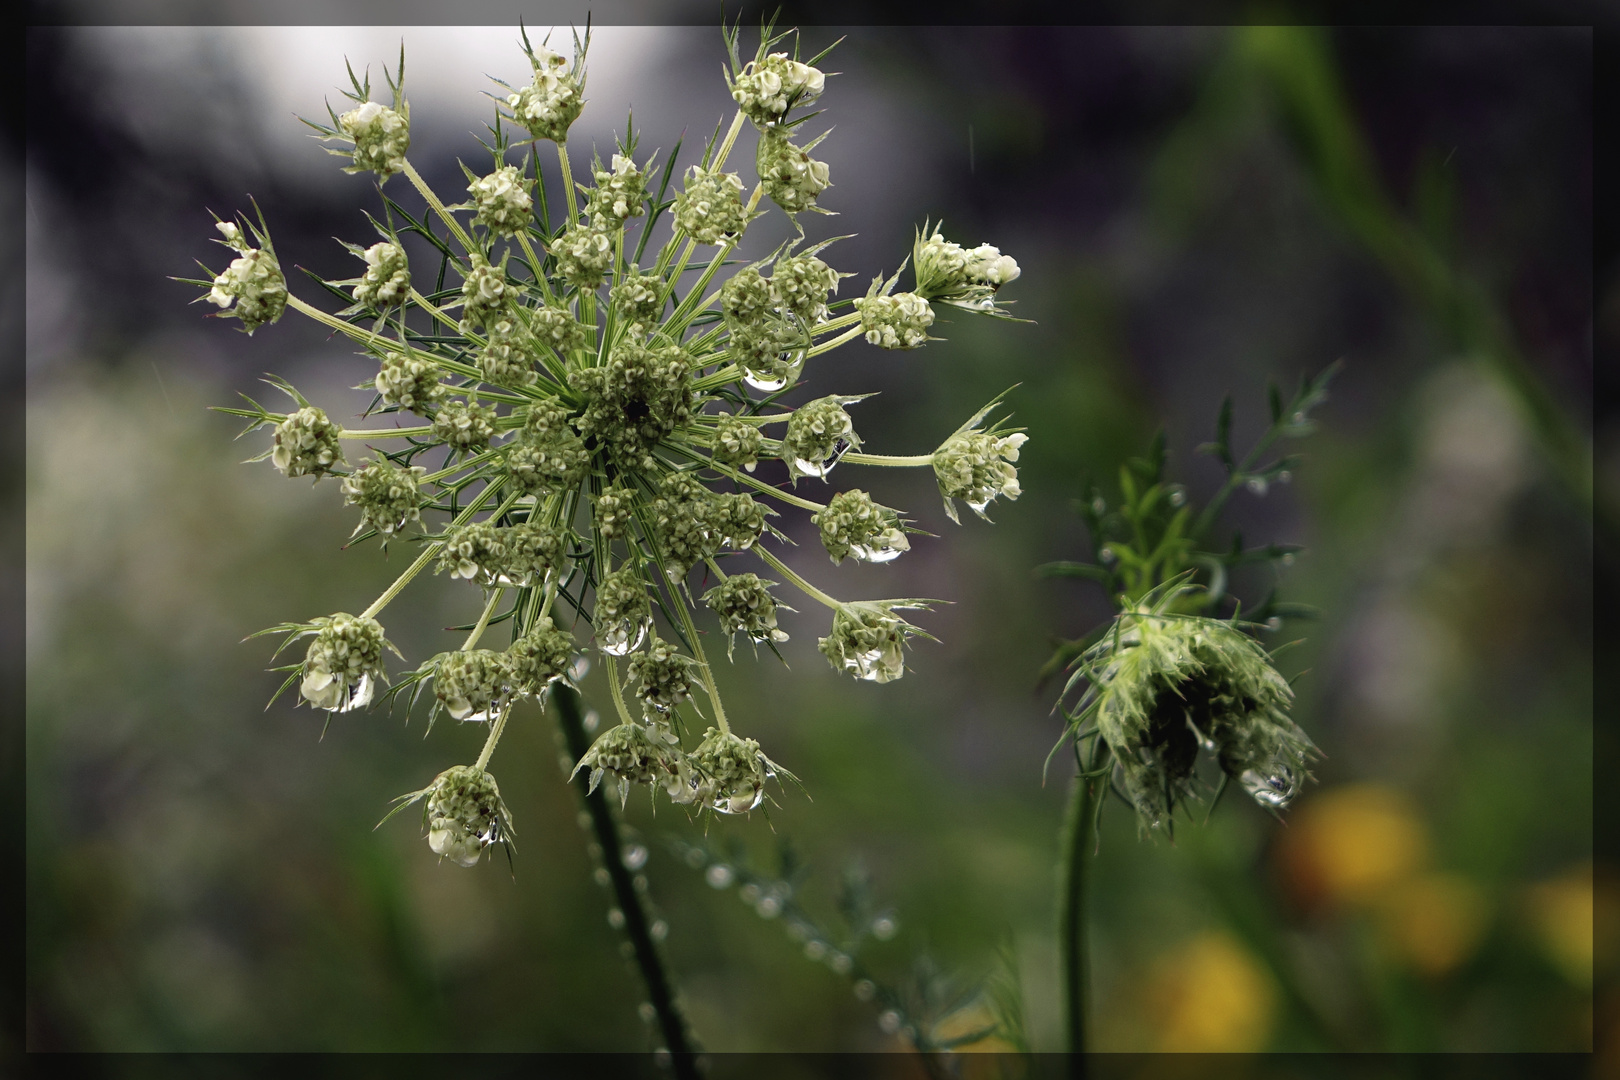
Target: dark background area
[[1197, 212]]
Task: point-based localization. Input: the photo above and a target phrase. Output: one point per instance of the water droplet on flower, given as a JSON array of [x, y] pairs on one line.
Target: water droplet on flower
[[841, 963], [718, 876], [615, 918], [884, 927], [749, 894], [659, 930], [1275, 787], [579, 668], [648, 1013], [1257, 484], [815, 950], [1107, 555], [1287, 559], [1178, 495], [602, 876], [769, 907], [695, 857], [1098, 506], [1274, 623], [634, 856], [889, 1021], [592, 721], [865, 989]]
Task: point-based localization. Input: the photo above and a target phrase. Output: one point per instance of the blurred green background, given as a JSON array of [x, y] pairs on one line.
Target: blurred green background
[[1197, 212]]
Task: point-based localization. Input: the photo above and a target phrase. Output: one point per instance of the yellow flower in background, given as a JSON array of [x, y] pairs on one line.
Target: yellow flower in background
[[1561, 913], [1434, 922], [1350, 844], [1211, 995]]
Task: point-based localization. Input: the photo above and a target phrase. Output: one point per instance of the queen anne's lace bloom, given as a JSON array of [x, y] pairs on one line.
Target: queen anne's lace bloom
[[464, 425], [386, 494], [472, 684], [709, 208], [817, 433], [411, 382], [380, 135], [502, 201], [253, 282], [977, 466], [465, 814], [744, 605], [550, 104], [344, 662], [791, 177], [306, 444], [852, 524], [867, 640], [766, 89], [899, 321]]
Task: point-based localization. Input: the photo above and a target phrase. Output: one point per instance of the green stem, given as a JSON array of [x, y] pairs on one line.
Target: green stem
[[660, 987], [438, 207], [802, 585], [1078, 829], [914, 461]]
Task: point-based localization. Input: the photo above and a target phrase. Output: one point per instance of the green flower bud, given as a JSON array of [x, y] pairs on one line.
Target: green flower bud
[[540, 657], [976, 466], [710, 208], [737, 442], [766, 89], [548, 106], [343, 663], [306, 444], [800, 285], [744, 604], [380, 135], [623, 612], [465, 814], [387, 280], [503, 361], [745, 298], [737, 520], [253, 281], [638, 754], [729, 773], [386, 495], [899, 321], [638, 300], [867, 640], [613, 514], [548, 456], [665, 675], [502, 201], [464, 425], [768, 352], [483, 293], [558, 329], [474, 551], [818, 434], [618, 195], [791, 177], [950, 274], [471, 684], [584, 254], [852, 524], [411, 382], [1164, 685], [532, 551], [681, 517]]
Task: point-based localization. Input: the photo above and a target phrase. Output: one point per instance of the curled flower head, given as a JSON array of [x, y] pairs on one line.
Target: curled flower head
[[623, 612], [618, 195], [1162, 685], [767, 87], [464, 425], [464, 814], [729, 773], [540, 657], [381, 136], [471, 684], [253, 282], [483, 293], [744, 604], [977, 466], [635, 399], [868, 640], [306, 444], [410, 381], [548, 456], [550, 104], [638, 754], [710, 208], [737, 442], [897, 321], [343, 663], [502, 201], [853, 524], [504, 361], [818, 434], [790, 176], [386, 494], [387, 280], [664, 674]]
